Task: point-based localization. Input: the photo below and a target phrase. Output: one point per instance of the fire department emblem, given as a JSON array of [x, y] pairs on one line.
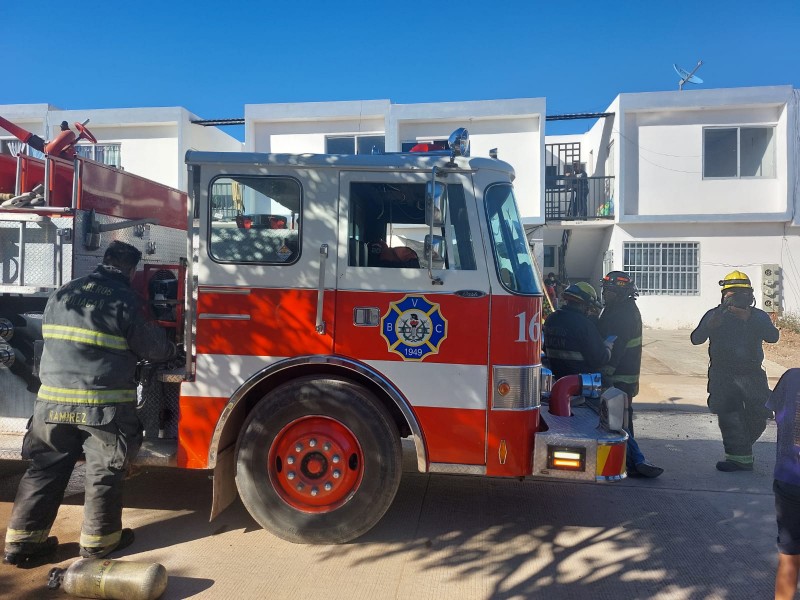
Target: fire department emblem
[[414, 328]]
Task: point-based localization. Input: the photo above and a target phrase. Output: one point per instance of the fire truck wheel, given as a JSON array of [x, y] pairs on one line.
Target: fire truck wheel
[[318, 461]]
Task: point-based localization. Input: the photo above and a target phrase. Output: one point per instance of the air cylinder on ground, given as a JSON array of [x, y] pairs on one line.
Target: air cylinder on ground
[[111, 579]]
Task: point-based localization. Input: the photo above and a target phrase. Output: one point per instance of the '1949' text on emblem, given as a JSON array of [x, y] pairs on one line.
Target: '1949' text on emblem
[[414, 327]]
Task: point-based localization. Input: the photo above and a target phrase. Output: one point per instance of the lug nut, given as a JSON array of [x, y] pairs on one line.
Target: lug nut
[[314, 491], [328, 486], [336, 458], [290, 475], [327, 447], [312, 442], [290, 460], [298, 448], [336, 474]]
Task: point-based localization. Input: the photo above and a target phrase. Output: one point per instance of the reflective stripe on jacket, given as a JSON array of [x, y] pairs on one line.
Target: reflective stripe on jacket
[[95, 330], [623, 320], [572, 343]]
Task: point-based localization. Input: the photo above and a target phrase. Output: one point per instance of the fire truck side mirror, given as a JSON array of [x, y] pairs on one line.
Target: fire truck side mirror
[[459, 142], [435, 203], [434, 249]]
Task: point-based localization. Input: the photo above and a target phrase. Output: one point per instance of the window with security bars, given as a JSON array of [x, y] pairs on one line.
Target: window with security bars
[[663, 268]]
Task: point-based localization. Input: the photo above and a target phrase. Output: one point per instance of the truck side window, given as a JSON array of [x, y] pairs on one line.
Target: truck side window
[[387, 228], [255, 219]]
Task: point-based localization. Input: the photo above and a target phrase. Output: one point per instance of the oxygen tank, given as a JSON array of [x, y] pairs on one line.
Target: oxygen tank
[[110, 579]]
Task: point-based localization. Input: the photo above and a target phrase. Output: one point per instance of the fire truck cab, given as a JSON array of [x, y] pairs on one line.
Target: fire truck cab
[[330, 306], [356, 300]]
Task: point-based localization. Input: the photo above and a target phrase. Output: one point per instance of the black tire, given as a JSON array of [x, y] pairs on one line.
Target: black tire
[[350, 412]]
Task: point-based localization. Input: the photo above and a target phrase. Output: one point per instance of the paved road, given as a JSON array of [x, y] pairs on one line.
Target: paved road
[[694, 533]]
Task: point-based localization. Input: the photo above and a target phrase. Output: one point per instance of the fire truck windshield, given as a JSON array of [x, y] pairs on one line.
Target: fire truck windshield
[[512, 254]]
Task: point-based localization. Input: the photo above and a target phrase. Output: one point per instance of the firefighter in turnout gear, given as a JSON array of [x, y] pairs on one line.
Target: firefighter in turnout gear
[[737, 384], [95, 330], [572, 343], [622, 321]]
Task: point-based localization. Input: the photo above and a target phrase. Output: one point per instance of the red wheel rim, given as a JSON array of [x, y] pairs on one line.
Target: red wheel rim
[[315, 464]]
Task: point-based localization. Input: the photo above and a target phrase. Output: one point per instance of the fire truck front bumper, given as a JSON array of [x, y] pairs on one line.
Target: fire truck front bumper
[[578, 449]]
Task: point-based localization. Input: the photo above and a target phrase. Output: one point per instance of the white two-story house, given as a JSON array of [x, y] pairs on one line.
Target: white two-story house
[[683, 187]]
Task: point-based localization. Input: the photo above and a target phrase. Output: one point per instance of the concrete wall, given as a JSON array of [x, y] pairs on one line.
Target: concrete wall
[[723, 247], [661, 158], [514, 127], [198, 137], [148, 138], [272, 127], [670, 165], [153, 141], [31, 117], [308, 137]]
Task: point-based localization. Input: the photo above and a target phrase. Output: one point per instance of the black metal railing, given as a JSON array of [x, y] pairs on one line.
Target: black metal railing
[[579, 198]]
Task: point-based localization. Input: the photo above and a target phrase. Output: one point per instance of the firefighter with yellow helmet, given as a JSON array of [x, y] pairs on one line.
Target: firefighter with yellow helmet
[[572, 343], [737, 383]]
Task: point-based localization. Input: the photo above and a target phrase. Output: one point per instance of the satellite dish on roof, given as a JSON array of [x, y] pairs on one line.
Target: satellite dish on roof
[[686, 76]]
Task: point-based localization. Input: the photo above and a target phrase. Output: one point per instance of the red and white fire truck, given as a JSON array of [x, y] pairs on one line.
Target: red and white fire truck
[[330, 306]]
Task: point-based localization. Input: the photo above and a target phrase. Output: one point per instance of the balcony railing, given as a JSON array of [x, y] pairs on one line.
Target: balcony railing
[[579, 198]]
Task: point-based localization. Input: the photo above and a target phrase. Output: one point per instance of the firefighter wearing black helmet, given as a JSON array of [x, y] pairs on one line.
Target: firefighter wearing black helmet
[[572, 343], [95, 330], [737, 384], [622, 321]]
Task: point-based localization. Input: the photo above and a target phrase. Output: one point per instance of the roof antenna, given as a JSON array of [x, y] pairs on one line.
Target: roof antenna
[[687, 77]]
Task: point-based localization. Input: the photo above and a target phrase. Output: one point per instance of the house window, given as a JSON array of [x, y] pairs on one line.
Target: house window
[[733, 152], [663, 268], [108, 154], [355, 144], [549, 257]]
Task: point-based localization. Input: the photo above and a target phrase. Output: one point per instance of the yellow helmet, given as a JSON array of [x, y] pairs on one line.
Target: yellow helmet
[[735, 279], [582, 292]]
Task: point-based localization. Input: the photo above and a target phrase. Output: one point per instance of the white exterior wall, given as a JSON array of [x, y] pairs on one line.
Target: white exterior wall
[[31, 117], [300, 128], [308, 137], [661, 156], [514, 127], [153, 141], [198, 137], [723, 247], [511, 126], [148, 138], [670, 166]]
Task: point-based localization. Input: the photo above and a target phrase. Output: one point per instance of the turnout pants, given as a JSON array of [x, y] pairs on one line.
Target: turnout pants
[[54, 448], [634, 455], [737, 397]]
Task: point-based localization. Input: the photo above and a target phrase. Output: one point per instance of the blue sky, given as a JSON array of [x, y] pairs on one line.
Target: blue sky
[[215, 57]]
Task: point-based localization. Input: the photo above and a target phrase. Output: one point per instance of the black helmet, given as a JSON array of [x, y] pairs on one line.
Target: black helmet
[[621, 283]]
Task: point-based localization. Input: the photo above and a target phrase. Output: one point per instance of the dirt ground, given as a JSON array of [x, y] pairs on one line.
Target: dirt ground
[[787, 351]]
